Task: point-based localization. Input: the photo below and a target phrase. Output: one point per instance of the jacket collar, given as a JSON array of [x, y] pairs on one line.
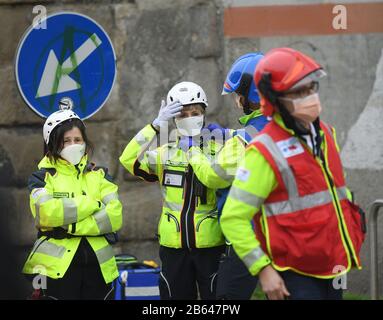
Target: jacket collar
[[279, 121], [244, 120], [64, 166]]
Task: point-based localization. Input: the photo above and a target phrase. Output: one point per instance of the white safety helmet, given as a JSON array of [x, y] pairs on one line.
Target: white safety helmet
[[187, 93], [65, 113]]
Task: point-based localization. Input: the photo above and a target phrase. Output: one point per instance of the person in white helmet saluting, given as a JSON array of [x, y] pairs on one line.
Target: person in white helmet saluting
[[234, 282], [190, 238], [76, 210]]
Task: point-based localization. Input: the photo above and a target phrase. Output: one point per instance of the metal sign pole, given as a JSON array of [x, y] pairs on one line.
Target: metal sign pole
[[374, 266]]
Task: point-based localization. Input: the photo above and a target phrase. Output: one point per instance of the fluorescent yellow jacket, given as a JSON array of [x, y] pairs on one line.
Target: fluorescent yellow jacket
[[254, 182], [189, 212], [82, 201], [220, 172]]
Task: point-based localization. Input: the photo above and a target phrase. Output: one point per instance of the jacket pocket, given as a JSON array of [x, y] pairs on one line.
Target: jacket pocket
[[172, 217], [363, 220], [360, 215], [211, 216], [356, 223]]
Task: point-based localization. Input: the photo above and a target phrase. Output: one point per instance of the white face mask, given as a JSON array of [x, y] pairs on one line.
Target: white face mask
[[190, 126], [73, 153]]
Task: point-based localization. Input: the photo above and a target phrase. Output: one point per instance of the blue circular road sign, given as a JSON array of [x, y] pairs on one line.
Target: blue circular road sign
[[72, 57]]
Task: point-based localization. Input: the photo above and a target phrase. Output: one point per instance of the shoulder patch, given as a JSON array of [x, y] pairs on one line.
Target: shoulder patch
[[38, 192], [290, 147], [242, 174]]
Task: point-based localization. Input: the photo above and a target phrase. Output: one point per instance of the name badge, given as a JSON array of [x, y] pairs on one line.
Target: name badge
[[60, 194], [173, 178]]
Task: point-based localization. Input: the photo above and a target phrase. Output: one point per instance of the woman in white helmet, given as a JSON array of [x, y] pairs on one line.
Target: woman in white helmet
[[76, 210], [190, 238]]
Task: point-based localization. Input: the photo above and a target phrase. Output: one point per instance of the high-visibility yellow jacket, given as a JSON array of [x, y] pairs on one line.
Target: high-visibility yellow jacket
[[255, 182], [189, 212], [82, 201], [220, 173]]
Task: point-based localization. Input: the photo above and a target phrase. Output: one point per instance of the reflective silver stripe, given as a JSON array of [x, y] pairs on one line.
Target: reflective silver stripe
[[168, 153], [253, 256], [70, 210], [141, 291], [152, 160], [51, 249], [140, 138], [173, 206], [167, 284], [287, 175], [342, 193], [37, 243], [40, 201], [297, 204], [242, 139], [212, 281], [37, 218], [252, 131], [163, 191], [44, 198], [246, 197], [103, 221], [109, 197], [193, 152], [221, 172], [104, 254]]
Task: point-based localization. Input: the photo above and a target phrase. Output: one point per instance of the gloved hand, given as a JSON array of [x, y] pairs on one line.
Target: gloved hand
[[166, 113], [219, 133], [185, 143]]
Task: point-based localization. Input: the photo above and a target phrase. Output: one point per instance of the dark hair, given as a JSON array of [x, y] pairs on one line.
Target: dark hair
[[56, 139]]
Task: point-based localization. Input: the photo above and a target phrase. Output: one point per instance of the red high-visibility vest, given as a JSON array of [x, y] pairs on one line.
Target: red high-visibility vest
[[307, 222]]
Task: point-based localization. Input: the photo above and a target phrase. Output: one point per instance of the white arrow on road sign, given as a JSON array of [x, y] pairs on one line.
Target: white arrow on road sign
[[55, 78]]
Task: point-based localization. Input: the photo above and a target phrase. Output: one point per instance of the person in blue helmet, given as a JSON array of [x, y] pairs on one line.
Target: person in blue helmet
[[234, 280]]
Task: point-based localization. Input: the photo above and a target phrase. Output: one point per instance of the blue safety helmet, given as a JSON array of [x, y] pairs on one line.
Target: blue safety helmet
[[240, 77]]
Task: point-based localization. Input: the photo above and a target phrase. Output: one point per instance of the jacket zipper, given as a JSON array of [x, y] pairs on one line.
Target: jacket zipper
[[186, 216], [336, 205], [175, 220], [78, 171], [187, 211]]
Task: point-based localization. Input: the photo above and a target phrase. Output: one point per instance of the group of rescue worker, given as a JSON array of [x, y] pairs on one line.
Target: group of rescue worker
[[264, 203]]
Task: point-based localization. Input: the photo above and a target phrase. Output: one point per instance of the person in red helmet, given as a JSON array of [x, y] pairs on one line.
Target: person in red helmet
[[291, 183]]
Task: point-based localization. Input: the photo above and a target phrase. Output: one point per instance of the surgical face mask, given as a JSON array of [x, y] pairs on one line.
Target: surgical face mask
[[306, 109], [73, 153], [190, 126]]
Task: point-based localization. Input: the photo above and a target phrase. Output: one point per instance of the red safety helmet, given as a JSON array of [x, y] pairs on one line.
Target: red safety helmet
[[281, 70]]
